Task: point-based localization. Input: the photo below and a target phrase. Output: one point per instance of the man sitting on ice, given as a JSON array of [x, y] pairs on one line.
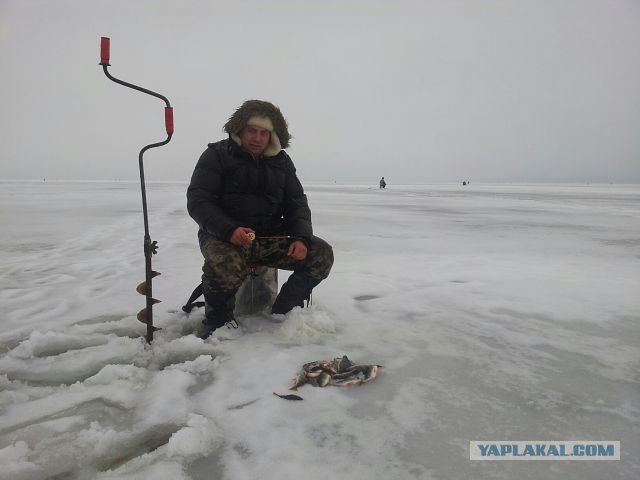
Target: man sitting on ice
[[251, 207]]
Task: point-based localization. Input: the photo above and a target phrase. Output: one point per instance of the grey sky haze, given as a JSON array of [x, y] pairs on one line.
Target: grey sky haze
[[418, 91]]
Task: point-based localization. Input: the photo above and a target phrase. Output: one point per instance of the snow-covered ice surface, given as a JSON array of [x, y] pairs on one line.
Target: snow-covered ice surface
[[499, 313]]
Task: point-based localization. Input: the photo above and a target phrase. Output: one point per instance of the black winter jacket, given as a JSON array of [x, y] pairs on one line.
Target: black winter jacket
[[230, 188]]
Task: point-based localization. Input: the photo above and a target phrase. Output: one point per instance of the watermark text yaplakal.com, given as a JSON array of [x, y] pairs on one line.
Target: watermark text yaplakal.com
[[544, 450]]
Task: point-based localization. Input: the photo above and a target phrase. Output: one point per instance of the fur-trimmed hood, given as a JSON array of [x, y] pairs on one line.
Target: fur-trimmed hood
[[257, 109]]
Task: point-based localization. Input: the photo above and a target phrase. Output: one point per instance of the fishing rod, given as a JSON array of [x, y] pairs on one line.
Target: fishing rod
[[150, 247], [252, 236]]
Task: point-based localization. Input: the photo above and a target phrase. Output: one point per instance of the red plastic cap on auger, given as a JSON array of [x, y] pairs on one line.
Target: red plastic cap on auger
[[168, 119], [104, 50]]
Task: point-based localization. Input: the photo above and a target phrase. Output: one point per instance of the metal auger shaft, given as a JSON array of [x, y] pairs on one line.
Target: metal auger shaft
[[150, 247]]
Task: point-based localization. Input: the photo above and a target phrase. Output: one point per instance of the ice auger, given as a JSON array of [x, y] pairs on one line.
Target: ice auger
[[150, 248]]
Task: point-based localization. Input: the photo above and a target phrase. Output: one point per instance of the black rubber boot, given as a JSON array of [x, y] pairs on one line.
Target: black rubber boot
[[218, 309], [294, 292]]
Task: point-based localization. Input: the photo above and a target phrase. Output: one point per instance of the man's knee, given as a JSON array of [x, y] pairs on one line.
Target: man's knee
[[321, 258], [224, 277], [223, 265]]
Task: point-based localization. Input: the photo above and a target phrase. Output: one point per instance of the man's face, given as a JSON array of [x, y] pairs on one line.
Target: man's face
[[254, 139]]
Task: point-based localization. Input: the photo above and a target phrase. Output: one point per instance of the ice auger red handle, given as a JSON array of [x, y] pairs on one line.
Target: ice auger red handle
[[168, 119], [105, 44], [105, 53]]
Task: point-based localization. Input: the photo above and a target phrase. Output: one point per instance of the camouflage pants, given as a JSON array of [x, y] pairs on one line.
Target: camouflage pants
[[227, 265]]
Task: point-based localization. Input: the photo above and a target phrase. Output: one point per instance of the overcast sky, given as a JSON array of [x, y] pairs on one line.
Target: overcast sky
[[418, 91]]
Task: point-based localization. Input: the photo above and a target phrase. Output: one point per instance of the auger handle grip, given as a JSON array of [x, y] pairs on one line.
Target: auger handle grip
[[105, 43], [168, 119]]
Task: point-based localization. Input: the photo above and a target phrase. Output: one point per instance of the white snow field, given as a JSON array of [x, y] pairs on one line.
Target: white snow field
[[499, 312]]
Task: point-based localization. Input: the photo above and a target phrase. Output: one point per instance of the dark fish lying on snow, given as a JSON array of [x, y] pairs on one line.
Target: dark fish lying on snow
[[339, 372]]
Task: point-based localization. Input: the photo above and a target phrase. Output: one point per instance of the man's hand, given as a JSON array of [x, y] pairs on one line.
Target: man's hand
[[297, 250], [240, 236]]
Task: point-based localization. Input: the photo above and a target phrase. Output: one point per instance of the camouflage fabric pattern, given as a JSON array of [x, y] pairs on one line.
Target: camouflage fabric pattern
[[227, 265]]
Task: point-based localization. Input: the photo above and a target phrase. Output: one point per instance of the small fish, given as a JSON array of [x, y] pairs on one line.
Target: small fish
[[339, 372], [288, 396]]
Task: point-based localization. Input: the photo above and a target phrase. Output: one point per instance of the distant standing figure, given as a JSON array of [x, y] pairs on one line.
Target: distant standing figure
[[383, 184]]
